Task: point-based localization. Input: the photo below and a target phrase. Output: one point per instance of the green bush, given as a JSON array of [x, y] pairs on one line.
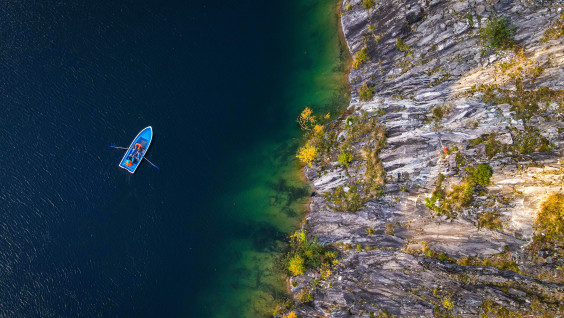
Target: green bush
[[305, 254], [304, 295], [438, 113], [368, 4], [402, 46], [498, 33], [345, 157], [480, 175], [365, 93], [437, 197]]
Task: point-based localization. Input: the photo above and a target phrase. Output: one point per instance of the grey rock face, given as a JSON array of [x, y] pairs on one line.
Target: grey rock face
[[444, 63]]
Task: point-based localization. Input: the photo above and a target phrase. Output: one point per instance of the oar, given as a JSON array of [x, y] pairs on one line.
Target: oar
[[152, 164], [119, 147]]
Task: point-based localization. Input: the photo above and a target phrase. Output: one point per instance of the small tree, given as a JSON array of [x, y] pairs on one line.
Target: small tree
[[291, 314], [481, 175], [447, 303], [438, 113], [307, 154], [365, 93], [306, 120], [345, 157], [360, 57], [318, 136], [318, 129], [498, 33], [296, 265]]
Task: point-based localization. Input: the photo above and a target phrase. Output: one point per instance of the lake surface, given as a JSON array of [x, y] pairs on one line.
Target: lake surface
[[222, 84]]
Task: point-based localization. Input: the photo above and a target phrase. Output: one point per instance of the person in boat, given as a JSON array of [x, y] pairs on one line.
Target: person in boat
[[138, 152], [130, 159], [134, 156]]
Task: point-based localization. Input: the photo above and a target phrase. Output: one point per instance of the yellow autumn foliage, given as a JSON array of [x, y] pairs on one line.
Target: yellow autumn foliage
[[299, 237], [306, 119], [318, 136], [296, 265], [291, 314], [360, 57], [318, 129], [325, 271], [447, 303], [550, 219], [307, 154]]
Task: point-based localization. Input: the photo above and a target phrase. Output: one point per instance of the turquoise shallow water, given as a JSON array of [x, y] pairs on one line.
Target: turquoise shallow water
[[221, 83], [269, 195]]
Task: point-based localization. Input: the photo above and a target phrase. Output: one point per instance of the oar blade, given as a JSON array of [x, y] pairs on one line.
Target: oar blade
[[152, 164], [116, 147]]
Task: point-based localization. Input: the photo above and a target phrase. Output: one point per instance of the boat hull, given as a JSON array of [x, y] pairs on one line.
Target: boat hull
[[137, 150]]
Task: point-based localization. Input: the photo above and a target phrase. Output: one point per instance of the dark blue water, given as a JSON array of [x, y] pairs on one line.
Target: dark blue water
[[81, 237]]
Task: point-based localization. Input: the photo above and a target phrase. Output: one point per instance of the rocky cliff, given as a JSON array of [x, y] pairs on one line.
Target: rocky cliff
[[430, 184]]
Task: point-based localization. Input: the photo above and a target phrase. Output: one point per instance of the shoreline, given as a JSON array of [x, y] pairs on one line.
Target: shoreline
[[343, 44], [347, 63], [348, 88], [347, 67]]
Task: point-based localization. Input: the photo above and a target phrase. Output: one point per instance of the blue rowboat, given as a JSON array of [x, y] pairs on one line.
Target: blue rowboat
[[137, 150]]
